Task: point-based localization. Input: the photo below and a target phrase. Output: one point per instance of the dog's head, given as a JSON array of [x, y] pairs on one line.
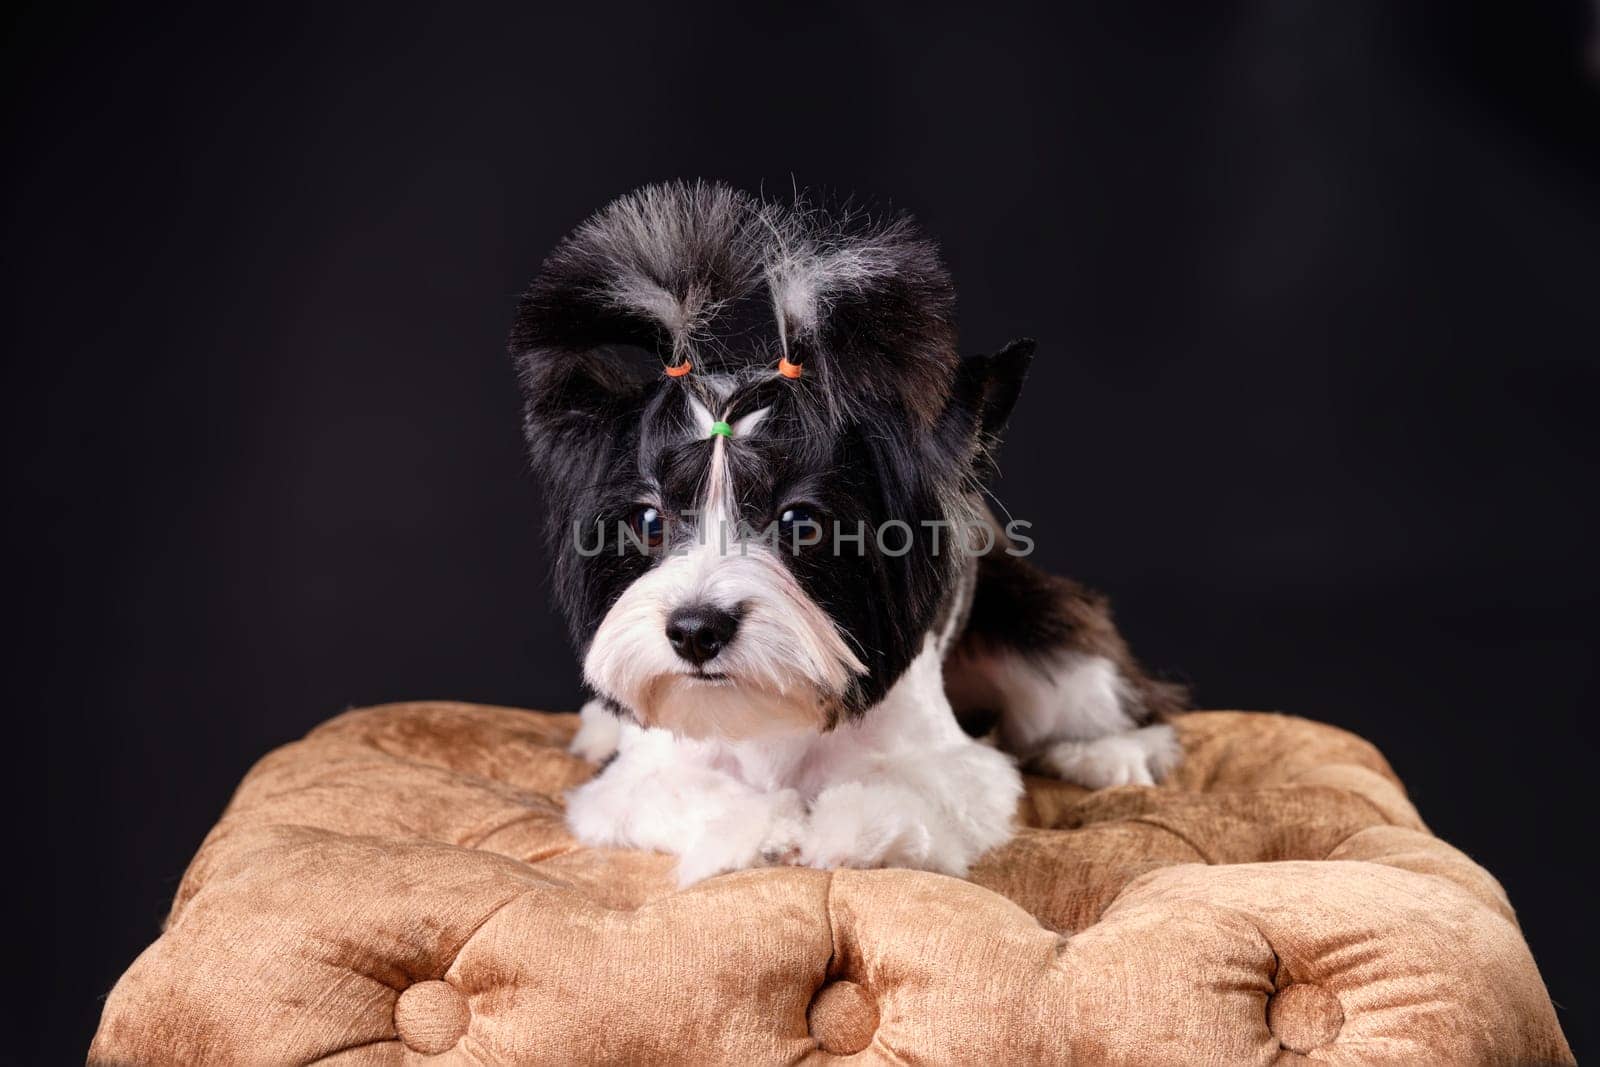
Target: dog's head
[[741, 551]]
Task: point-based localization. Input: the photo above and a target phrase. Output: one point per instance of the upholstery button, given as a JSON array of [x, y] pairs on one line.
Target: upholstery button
[[431, 1017], [1304, 1017], [842, 1018]]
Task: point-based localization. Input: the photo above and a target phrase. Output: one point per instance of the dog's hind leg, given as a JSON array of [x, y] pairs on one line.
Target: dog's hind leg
[[1041, 653]]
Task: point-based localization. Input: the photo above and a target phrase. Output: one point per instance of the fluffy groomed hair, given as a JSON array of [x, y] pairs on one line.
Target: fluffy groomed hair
[[683, 270]]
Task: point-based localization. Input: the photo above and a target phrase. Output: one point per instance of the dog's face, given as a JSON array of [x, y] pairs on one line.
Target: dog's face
[[740, 553]]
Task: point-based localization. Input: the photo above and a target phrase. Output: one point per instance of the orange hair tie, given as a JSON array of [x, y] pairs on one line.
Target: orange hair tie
[[787, 369], [680, 370]]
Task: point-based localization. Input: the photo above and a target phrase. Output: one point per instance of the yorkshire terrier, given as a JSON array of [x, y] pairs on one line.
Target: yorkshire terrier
[[762, 459]]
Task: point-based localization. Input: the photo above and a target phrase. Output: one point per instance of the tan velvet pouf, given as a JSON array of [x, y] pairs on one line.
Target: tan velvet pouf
[[400, 887]]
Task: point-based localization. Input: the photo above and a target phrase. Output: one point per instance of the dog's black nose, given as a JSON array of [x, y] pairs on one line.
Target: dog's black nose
[[700, 632]]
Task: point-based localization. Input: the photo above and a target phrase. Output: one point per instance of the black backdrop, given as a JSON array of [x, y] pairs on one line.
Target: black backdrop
[[1316, 286]]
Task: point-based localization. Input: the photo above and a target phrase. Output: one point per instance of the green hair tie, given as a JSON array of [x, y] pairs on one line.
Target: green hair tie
[[721, 429]]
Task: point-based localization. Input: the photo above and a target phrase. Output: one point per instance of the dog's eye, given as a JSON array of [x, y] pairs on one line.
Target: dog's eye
[[799, 526], [648, 525]]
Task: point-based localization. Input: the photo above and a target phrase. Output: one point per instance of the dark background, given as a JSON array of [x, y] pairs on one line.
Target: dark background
[[1317, 286]]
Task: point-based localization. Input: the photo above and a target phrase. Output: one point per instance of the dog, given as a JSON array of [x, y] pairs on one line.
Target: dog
[[763, 461]]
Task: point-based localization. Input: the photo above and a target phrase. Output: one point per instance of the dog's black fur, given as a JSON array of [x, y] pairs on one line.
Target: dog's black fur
[[887, 422]]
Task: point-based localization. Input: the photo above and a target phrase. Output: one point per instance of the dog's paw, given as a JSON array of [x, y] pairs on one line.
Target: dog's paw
[[764, 831], [856, 825], [598, 733], [1137, 757]]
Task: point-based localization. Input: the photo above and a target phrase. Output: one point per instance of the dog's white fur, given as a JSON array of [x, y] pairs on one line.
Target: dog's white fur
[[903, 786], [743, 770]]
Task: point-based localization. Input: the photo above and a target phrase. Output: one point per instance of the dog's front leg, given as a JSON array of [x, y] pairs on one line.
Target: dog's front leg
[[935, 809], [662, 793]]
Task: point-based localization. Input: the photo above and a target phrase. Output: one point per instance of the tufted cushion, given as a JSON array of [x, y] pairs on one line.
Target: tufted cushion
[[400, 884]]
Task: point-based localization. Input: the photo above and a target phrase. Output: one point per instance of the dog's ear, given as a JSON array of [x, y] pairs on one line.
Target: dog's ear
[[982, 396], [1003, 374], [647, 272], [988, 386]]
